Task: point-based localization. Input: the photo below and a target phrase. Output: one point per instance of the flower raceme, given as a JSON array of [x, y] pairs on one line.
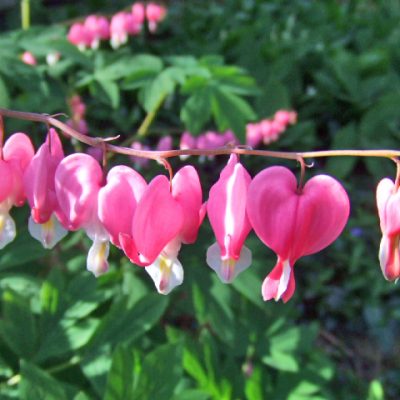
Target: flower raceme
[[149, 222], [388, 202], [294, 222]]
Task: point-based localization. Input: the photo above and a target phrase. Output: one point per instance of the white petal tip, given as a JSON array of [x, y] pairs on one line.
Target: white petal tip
[[227, 270], [166, 273], [7, 230], [97, 262], [49, 233]]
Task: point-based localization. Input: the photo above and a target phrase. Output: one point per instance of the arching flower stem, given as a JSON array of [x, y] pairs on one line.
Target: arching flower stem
[[157, 155]]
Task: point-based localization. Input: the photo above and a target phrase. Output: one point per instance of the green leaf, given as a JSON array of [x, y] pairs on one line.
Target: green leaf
[[127, 67], [24, 249], [194, 367], [191, 394], [163, 85], [81, 396], [111, 89], [375, 391], [17, 326], [66, 336], [197, 110], [120, 382], [281, 361], [122, 324], [161, 373], [231, 112], [254, 386], [4, 95], [38, 384], [128, 324]]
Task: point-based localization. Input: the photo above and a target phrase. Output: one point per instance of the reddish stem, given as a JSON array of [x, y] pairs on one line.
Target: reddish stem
[[157, 155]]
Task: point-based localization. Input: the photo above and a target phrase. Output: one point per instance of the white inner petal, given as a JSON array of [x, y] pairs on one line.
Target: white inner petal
[[228, 270], [284, 280], [97, 259], [166, 273], [7, 229], [49, 233]]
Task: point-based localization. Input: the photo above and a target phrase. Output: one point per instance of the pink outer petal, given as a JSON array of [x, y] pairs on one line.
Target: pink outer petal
[[118, 200], [39, 178], [324, 209], [18, 152], [389, 257], [186, 189], [78, 180], [226, 208], [158, 219], [293, 224], [388, 202], [6, 180]]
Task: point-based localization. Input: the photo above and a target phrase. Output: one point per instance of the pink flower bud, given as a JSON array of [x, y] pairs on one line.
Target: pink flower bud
[[254, 135], [165, 143], [28, 58], [139, 162], [286, 117]]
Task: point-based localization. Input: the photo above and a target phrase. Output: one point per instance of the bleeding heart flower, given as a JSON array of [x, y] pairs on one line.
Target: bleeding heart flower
[[78, 180], [167, 271], [388, 202], [156, 219], [17, 153], [293, 222], [226, 209], [41, 193]]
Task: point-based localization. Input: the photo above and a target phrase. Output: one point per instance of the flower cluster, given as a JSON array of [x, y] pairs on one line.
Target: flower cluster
[[269, 130], [122, 25], [149, 222]]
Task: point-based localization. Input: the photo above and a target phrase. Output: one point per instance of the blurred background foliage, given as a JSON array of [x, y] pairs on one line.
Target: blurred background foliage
[[211, 65]]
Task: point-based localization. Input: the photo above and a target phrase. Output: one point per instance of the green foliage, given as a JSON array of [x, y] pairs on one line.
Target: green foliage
[[212, 65]]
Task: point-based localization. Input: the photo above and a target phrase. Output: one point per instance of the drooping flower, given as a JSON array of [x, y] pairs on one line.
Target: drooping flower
[[99, 29], [139, 13], [388, 202], [152, 217], [80, 36], [17, 153], [78, 179], [40, 191], [293, 222], [167, 271], [226, 210], [155, 13], [122, 24]]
